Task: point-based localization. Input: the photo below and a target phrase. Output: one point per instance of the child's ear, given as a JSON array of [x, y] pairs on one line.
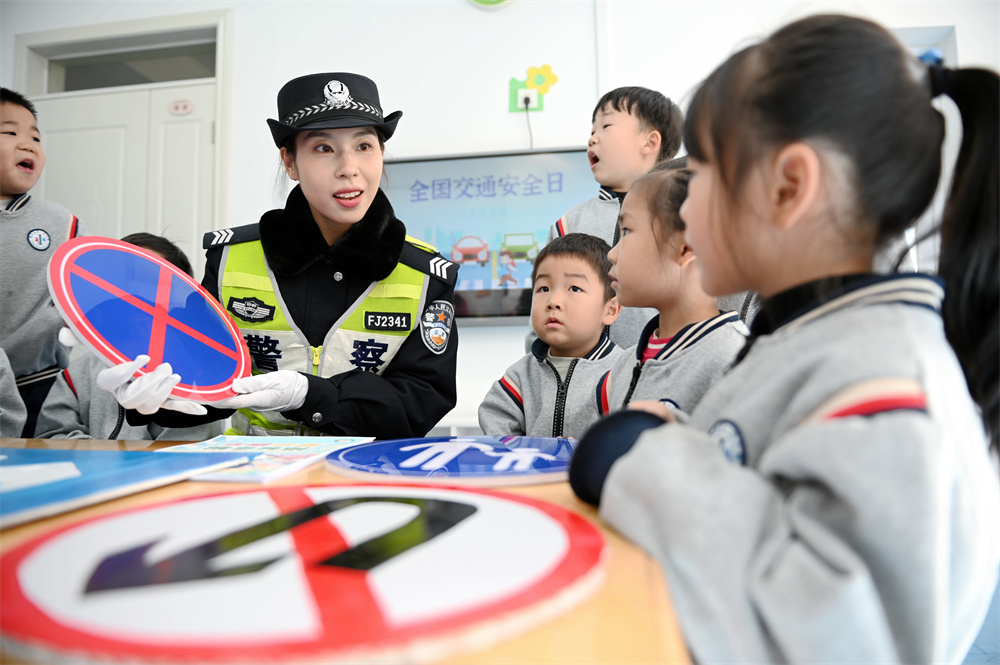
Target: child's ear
[[795, 178], [612, 309], [673, 247], [289, 161], [653, 142], [686, 254]]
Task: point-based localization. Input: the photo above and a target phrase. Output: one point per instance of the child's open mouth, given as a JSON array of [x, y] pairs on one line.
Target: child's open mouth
[[26, 165], [593, 158]]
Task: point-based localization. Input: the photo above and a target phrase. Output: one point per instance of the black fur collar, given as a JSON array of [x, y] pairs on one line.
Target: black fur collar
[[371, 249]]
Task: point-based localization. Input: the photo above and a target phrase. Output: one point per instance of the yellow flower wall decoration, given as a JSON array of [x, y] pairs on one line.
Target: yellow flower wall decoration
[[541, 78]]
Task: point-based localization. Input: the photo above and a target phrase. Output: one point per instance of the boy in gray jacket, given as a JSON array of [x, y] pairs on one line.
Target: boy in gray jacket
[[30, 232], [632, 130], [562, 386]]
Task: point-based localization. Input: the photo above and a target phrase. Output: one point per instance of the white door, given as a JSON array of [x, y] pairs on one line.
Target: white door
[[135, 160], [96, 149], [179, 193]]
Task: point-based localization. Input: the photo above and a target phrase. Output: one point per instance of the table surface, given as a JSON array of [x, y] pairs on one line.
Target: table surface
[[628, 620]]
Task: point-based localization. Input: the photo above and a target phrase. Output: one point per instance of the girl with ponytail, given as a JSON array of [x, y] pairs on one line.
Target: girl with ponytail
[[834, 497]]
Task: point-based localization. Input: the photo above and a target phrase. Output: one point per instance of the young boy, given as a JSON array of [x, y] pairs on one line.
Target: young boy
[[562, 386], [30, 232], [632, 129], [76, 408]]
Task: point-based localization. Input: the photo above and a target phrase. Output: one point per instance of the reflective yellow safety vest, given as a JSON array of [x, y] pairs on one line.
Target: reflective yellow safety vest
[[367, 336]]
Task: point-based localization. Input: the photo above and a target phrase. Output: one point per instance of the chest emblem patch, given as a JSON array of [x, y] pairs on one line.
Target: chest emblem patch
[[435, 325], [251, 309], [39, 239], [730, 440]]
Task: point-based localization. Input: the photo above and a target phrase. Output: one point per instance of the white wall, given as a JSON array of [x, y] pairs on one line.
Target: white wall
[[446, 64], [671, 46]]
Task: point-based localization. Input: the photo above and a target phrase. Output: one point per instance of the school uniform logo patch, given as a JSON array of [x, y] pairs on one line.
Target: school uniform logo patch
[[39, 239], [251, 309], [435, 325], [730, 440]]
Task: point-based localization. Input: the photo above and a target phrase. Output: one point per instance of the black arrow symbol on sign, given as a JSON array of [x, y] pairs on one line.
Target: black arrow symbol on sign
[[128, 568]]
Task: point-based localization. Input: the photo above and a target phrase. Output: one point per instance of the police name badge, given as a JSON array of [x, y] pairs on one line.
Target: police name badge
[[435, 325], [395, 321]]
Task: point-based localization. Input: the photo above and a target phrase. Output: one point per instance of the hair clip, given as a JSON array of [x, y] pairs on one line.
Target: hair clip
[[931, 57], [940, 79]]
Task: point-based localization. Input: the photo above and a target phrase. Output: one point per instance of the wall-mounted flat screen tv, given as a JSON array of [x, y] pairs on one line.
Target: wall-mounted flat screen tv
[[489, 213]]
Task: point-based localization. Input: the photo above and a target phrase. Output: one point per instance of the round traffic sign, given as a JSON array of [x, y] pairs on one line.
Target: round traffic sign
[[486, 461], [123, 301], [338, 573]]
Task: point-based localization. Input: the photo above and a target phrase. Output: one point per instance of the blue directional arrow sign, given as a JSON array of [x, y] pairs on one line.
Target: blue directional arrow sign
[[479, 460]]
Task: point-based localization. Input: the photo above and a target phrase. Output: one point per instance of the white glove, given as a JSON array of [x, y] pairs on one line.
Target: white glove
[[283, 390], [68, 338], [147, 393]]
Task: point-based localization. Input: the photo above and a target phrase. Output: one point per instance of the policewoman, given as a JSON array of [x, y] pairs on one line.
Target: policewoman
[[349, 322]]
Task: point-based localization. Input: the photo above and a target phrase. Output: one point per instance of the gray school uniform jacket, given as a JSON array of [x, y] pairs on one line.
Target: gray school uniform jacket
[[599, 217], [695, 358], [532, 399], [30, 232], [832, 498], [77, 409], [12, 411]]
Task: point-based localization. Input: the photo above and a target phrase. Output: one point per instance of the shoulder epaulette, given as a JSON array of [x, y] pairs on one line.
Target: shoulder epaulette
[[424, 257], [231, 236], [426, 246]]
